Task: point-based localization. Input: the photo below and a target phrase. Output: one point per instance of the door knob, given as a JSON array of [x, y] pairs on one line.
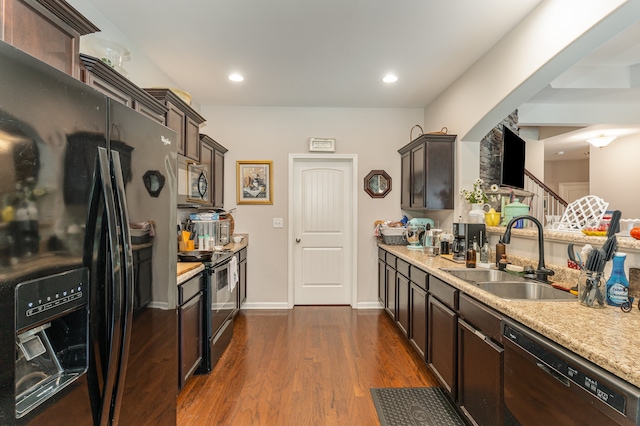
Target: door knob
[[297, 240]]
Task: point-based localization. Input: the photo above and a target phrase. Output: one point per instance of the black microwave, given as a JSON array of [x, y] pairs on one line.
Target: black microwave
[[193, 183]]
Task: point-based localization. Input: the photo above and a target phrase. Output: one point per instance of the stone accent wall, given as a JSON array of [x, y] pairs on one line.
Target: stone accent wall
[[491, 150]]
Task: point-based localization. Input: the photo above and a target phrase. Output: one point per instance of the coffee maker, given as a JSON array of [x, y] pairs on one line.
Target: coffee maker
[[463, 234]]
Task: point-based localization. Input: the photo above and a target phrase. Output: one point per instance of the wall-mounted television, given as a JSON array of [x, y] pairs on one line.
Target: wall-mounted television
[[512, 162]]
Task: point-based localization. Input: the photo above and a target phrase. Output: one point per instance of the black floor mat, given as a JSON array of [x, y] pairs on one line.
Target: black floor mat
[[414, 407]]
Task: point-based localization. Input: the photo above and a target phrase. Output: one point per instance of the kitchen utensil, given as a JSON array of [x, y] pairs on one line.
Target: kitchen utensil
[[614, 224], [572, 257], [195, 256]]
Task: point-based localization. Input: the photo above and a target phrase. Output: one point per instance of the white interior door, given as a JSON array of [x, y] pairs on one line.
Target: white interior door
[[571, 191], [322, 230]]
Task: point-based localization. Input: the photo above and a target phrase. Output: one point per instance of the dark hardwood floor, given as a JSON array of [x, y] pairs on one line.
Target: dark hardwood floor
[[306, 366]]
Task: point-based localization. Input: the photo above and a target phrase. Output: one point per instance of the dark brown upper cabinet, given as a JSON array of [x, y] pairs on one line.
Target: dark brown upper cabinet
[[183, 119], [212, 157], [107, 80], [427, 177], [49, 30]]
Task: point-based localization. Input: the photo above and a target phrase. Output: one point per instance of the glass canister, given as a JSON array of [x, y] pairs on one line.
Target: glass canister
[[591, 289]]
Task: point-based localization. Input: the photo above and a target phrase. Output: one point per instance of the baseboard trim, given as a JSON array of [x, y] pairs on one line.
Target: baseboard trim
[[285, 305], [369, 305], [265, 305]]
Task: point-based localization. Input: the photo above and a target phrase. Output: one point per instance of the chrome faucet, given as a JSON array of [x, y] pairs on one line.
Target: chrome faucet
[[542, 272]]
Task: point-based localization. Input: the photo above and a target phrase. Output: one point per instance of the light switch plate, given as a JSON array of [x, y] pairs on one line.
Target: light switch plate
[[278, 222]]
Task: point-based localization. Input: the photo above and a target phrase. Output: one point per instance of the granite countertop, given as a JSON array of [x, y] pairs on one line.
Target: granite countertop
[[603, 336], [624, 242], [187, 270]]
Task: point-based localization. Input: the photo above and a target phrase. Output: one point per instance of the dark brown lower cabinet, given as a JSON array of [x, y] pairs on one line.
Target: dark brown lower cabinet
[[418, 319], [480, 363], [382, 281], [390, 302], [143, 277], [402, 313], [190, 327], [442, 348]]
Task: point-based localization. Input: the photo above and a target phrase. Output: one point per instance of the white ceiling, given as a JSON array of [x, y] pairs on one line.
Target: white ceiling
[[326, 53], [334, 53]]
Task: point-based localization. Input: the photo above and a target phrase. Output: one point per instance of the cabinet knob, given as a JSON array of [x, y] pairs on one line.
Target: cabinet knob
[[297, 240]]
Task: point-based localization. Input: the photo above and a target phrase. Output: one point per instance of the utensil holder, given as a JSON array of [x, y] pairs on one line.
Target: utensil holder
[[591, 289]]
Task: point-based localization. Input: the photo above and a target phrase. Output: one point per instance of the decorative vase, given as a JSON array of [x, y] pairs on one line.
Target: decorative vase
[[476, 214]]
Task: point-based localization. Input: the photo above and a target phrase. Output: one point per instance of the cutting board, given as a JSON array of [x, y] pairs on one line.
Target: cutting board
[[184, 267], [450, 257]]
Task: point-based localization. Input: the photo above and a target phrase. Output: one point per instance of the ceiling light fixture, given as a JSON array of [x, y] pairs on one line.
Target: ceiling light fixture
[[390, 78], [560, 152], [236, 77], [601, 140]]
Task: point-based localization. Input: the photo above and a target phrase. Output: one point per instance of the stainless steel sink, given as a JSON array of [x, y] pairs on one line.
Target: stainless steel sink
[[509, 286], [525, 290], [481, 275]]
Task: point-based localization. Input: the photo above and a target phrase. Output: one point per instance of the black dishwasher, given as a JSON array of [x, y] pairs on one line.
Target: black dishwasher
[[545, 383]]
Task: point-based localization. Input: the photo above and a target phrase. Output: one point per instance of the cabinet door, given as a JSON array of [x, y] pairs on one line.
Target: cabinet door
[[405, 182], [418, 319], [148, 112], [390, 303], [382, 281], [190, 337], [143, 277], [480, 364], [417, 177], [442, 325], [218, 179], [438, 194], [176, 121], [242, 278], [402, 313], [206, 159], [192, 139], [32, 28], [108, 89]]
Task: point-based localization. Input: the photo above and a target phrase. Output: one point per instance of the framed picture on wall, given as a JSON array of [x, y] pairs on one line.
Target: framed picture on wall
[[254, 182]]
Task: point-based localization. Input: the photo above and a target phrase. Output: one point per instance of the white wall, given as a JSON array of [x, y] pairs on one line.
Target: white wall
[[556, 172], [541, 47], [617, 184], [272, 133]]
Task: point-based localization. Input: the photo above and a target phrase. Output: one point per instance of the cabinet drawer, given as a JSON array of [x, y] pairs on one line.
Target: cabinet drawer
[[444, 292], [242, 255], [382, 254], [189, 289], [402, 267], [419, 277], [480, 316], [391, 260]]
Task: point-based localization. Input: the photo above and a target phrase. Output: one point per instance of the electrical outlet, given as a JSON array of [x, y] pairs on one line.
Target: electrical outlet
[[278, 222]]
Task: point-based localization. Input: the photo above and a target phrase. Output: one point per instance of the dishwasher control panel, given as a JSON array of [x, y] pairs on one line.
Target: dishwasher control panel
[[567, 370]]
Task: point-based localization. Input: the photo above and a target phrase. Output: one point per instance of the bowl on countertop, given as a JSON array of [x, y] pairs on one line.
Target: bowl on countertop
[[237, 239]]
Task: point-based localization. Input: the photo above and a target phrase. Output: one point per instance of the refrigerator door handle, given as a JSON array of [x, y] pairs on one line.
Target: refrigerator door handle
[[114, 316], [127, 284]]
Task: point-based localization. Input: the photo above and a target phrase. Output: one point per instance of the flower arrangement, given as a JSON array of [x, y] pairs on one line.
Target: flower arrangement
[[477, 194]]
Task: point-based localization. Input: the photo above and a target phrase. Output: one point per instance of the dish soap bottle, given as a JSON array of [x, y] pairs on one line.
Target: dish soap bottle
[[618, 285]]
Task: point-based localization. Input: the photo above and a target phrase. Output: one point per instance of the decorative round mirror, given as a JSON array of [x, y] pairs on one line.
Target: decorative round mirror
[[377, 184]]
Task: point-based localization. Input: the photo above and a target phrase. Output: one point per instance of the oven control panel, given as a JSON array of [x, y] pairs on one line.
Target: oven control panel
[[41, 299]]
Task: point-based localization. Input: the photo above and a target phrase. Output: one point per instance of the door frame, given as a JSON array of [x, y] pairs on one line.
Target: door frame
[[353, 159]]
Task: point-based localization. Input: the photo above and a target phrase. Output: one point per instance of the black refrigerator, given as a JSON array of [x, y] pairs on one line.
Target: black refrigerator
[[76, 169]]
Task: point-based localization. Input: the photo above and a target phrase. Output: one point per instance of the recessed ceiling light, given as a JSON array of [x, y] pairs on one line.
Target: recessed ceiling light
[[560, 152], [390, 78], [236, 77]]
